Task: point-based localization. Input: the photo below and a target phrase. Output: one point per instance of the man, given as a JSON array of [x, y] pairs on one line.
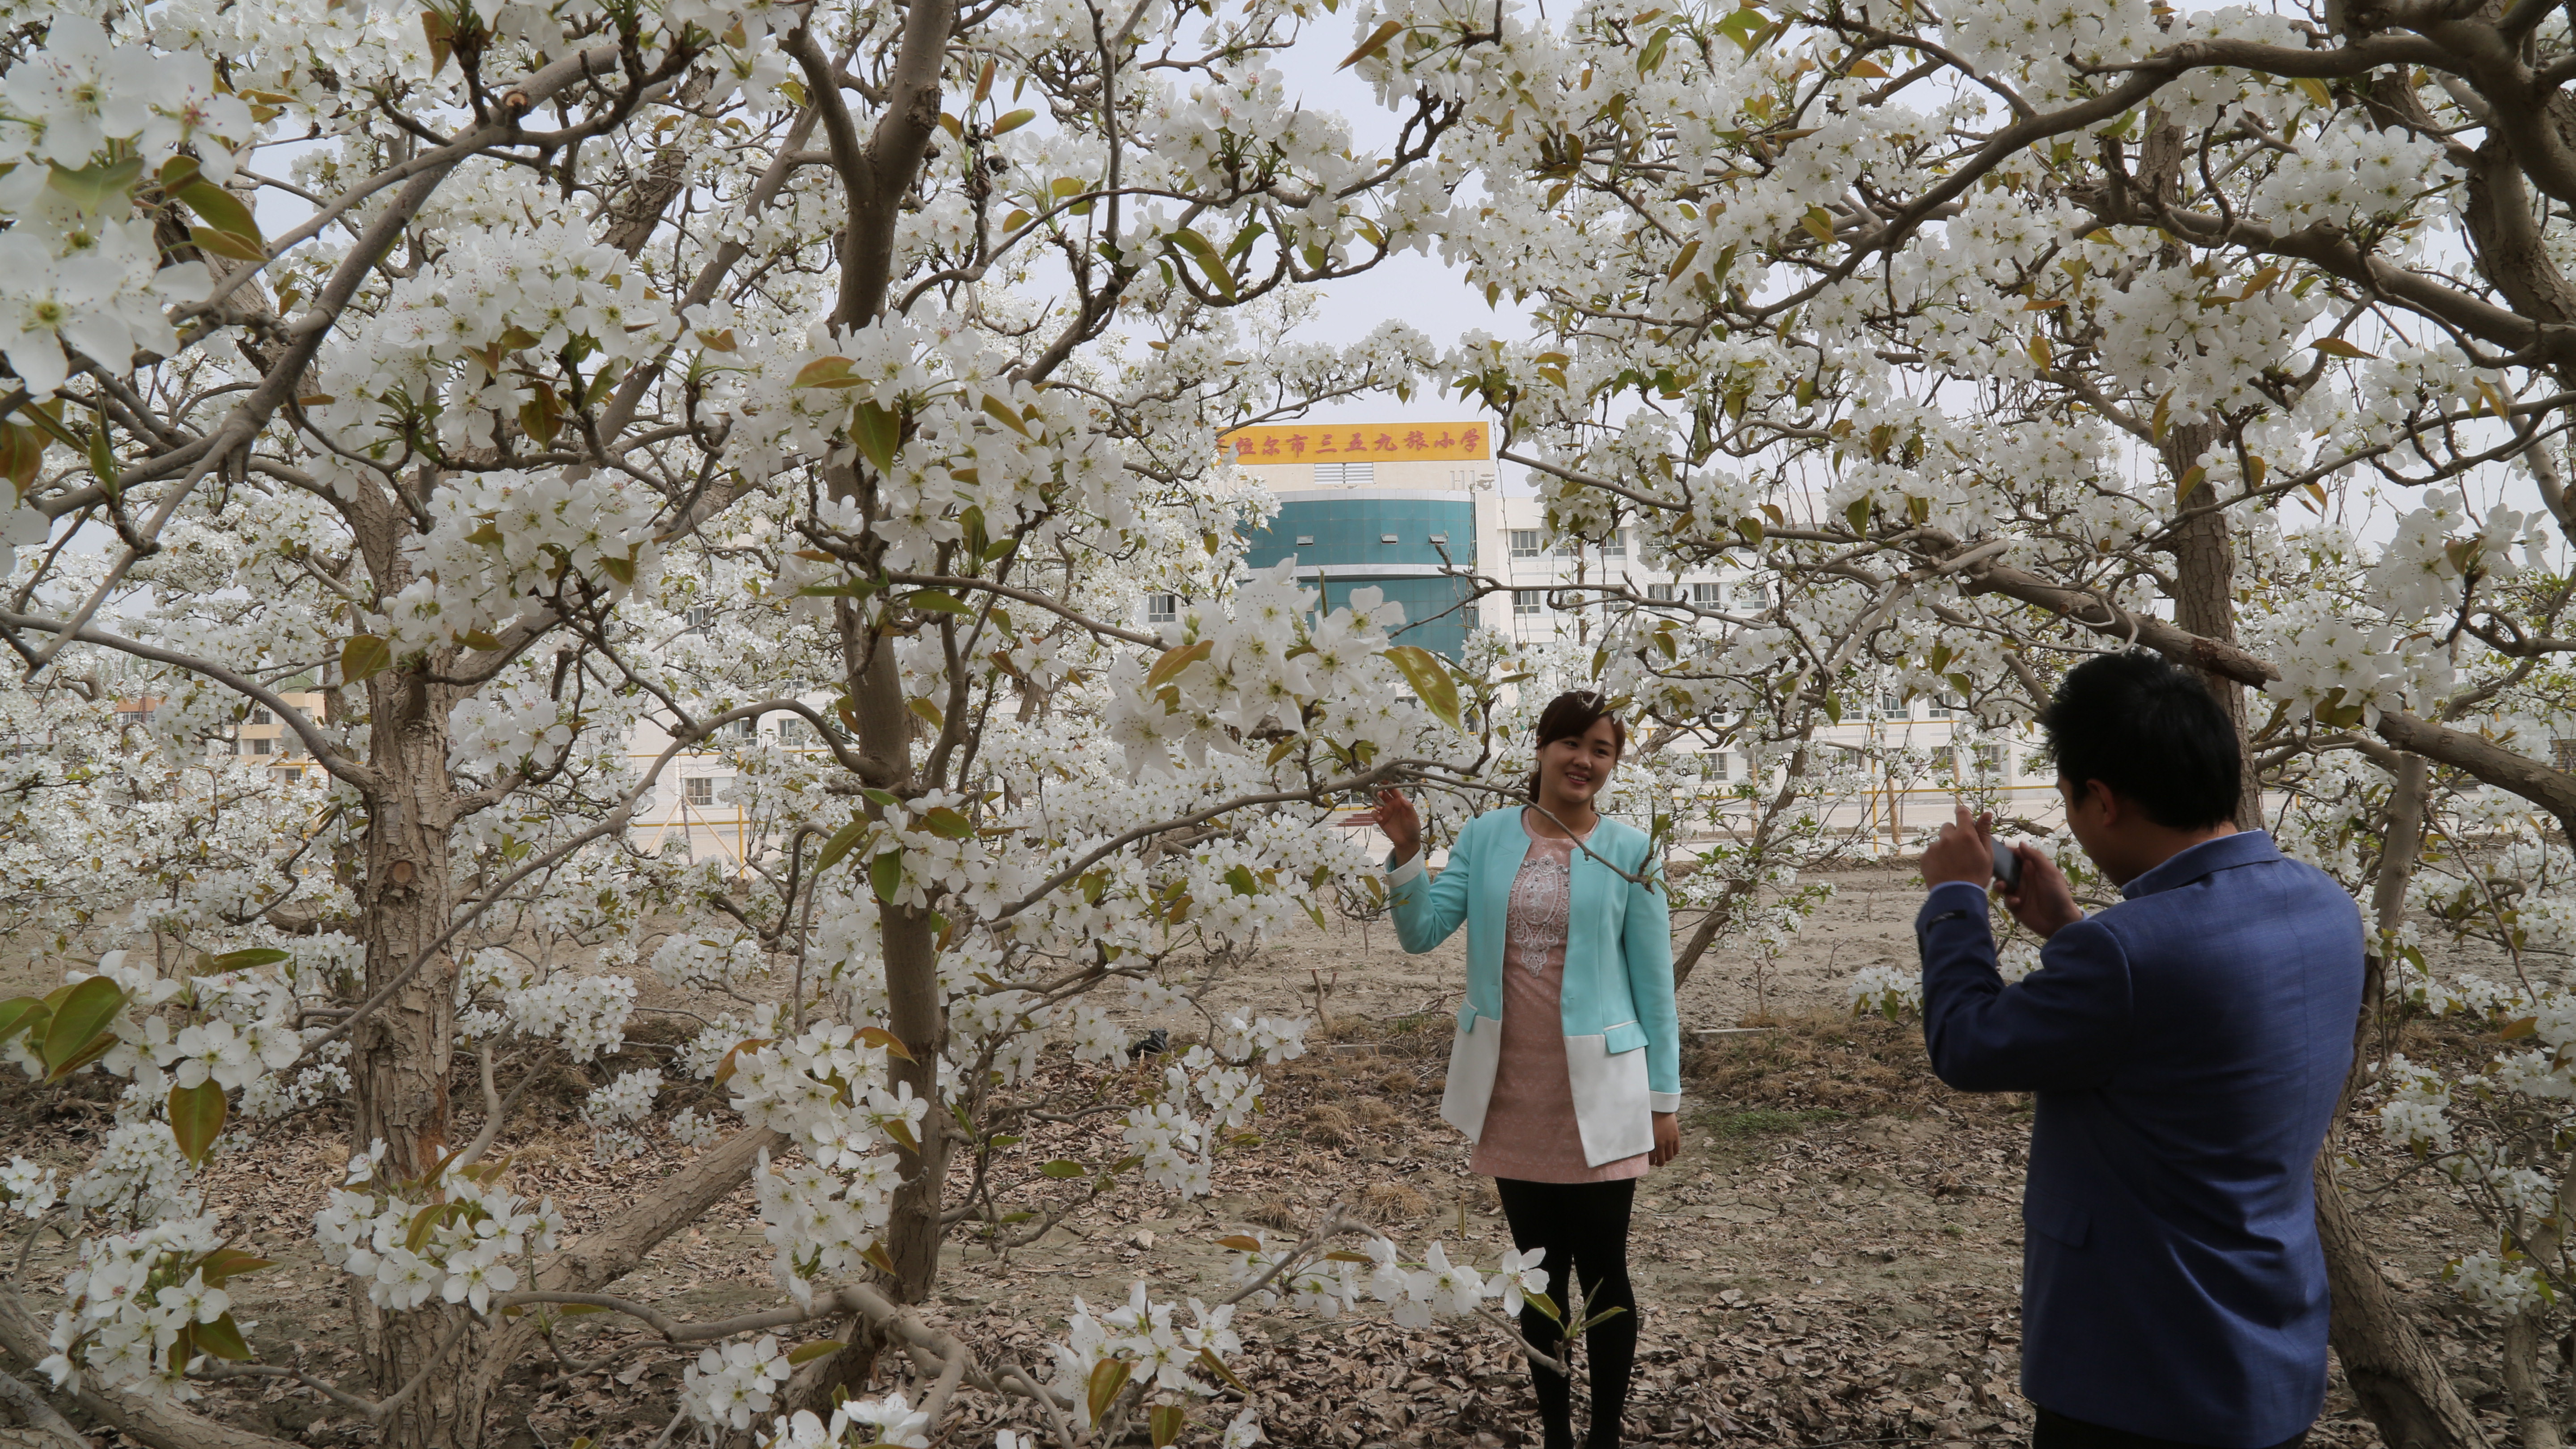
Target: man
[[2187, 1046]]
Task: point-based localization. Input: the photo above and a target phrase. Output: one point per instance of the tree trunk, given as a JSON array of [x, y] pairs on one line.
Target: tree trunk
[[2396, 1376], [2204, 554], [2392, 1372], [401, 1055]]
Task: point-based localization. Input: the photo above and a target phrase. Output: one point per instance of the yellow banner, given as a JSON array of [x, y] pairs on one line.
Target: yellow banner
[[1361, 443]]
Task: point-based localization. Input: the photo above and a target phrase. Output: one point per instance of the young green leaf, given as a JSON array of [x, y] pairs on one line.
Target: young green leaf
[[364, 657], [79, 1023], [1376, 42], [1431, 683], [197, 1118]]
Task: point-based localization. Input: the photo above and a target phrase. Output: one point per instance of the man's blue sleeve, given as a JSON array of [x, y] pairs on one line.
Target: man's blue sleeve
[[2064, 1026]]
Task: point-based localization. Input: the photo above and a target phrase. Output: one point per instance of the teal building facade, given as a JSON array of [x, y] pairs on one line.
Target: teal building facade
[[1395, 540]]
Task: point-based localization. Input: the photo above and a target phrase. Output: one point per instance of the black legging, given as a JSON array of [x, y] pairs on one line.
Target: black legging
[[1584, 1225]]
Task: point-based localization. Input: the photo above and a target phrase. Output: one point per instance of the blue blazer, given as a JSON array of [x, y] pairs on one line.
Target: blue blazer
[[1623, 1049], [2188, 1047]]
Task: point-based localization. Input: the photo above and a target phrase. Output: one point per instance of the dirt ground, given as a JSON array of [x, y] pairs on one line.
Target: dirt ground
[[1834, 1259]]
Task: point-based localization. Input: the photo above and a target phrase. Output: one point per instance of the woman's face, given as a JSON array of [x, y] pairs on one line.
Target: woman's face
[[1575, 767]]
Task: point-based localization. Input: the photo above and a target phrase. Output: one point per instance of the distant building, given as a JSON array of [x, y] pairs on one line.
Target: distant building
[[260, 739], [1389, 506]]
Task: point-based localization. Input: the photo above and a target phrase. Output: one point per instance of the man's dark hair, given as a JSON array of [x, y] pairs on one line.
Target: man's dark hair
[[2150, 731]]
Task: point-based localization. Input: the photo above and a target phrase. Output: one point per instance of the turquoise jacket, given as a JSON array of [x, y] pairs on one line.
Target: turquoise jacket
[[1622, 1034]]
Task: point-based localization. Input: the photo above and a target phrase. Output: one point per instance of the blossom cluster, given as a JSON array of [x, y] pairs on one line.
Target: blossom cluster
[[461, 1239]]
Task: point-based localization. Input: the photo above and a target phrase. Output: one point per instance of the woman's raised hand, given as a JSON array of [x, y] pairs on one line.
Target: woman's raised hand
[[1396, 819]]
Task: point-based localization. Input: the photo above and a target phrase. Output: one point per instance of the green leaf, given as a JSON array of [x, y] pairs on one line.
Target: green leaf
[[2337, 347], [1431, 683], [620, 569], [1060, 1168], [840, 844], [1653, 55], [826, 372], [244, 960], [1165, 1423], [805, 1353], [1013, 120], [885, 875], [947, 824], [1209, 1361], [92, 186], [1746, 28], [927, 712], [22, 1013], [877, 432], [225, 1263], [197, 1118], [1376, 42], [364, 657], [1107, 1378], [1240, 878], [884, 1040], [1857, 515], [1001, 412], [1169, 667], [227, 243], [80, 1019], [223, 1339], [1546, 1305], [936, 602], [1219, 275]]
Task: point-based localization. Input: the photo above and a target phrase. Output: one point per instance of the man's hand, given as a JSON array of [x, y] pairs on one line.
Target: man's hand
[[2043, 901], [1964, 850], [1396, 819], [1668, 1140]]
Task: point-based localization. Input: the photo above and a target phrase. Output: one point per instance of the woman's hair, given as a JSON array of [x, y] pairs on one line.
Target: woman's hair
[[1571, 715]]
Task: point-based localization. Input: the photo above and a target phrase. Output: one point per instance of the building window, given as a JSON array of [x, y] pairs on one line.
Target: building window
[[1725, 770], [1991, 759], [702, 790], [1162, 608], [700, 617], [744, 729], [1305, 540], [1706, 595], [793, 730], [1528, 602], [1750, 595], [1346, 475], [1944, 708], [1439, 538], [1895, 707], [1616, 545], [260, 716], [291, 774], [1660, 593], [1388, 538], [1528, 543], [262, 745]]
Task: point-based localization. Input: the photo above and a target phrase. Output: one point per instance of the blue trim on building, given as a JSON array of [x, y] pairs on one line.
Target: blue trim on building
[[1350, 532]]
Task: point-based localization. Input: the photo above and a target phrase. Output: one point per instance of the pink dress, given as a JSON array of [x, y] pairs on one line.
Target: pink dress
[[1530, 1135]]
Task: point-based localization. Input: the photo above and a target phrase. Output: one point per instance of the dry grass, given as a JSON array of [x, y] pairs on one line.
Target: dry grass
[[1328, 1125], [1376, 1113], [1392, 1202], [1860, 1065]]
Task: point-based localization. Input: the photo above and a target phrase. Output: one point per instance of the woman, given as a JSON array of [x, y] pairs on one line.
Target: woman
[[1566, 1070]]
